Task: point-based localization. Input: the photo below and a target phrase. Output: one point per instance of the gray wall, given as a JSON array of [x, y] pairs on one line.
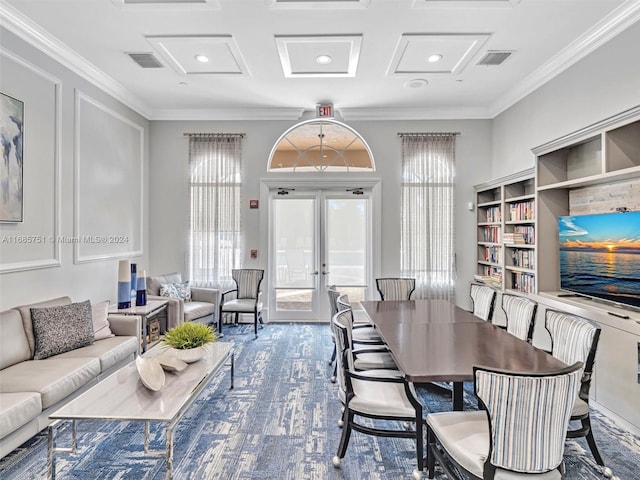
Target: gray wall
[[602, 84], [85, 170], [168, 185]]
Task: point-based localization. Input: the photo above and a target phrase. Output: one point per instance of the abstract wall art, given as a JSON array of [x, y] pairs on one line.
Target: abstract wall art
[[11, 146]]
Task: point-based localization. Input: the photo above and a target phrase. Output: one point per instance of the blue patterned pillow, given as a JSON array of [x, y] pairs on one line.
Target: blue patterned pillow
[[176, 290], [61, 329]]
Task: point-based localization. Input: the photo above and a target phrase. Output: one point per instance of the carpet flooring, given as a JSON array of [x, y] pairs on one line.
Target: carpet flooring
[[278, 423]]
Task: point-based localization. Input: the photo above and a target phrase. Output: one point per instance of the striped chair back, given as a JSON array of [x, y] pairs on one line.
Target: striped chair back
[[333, 299], [343, 303], [528, 416], [341, 329], [573, 338], [248, 281], [395, 288], [484, 299], [521, 314]]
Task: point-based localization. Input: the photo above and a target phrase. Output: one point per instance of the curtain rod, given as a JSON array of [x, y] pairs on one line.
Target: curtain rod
[[205, 134], [428, 134]]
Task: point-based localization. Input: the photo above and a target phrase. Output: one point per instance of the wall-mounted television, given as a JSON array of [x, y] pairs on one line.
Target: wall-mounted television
[[600, 256]]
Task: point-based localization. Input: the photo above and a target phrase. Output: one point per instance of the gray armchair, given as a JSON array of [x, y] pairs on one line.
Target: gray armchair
[[202, 308]]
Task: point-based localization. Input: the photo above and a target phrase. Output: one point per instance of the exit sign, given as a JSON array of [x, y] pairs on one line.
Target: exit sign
[[324, 111]]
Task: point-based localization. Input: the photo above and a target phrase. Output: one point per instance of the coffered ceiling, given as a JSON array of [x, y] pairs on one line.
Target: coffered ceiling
[[269, 59]]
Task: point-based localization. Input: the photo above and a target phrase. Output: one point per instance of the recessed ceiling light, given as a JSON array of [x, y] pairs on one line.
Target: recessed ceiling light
[[202, 58], [416, 83], [434, 58], [323, 59]]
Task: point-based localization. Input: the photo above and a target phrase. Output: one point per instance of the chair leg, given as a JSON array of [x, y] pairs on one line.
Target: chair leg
[[335, 373], [220, 334], [419, 444], [333, 355], [237, 316], [346, 433], [586, 423], [255, 325], [431, 460]]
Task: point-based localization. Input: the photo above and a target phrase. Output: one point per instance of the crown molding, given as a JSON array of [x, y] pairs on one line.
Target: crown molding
[[612, 25], [32, 33], [471, 113], [229, 114]]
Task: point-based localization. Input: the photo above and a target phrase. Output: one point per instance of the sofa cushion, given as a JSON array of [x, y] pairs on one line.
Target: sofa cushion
[[153, 283], [25, 311], [196, 310], [176, 290], [99, 314], [14, 345], [54, 378], [109, 351], [18, 409], [62, 328]]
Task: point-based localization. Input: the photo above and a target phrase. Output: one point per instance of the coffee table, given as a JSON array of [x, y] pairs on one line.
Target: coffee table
[[123, 397]]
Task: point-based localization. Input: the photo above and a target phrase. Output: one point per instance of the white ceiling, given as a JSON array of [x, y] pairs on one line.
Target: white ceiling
[[262, 52]]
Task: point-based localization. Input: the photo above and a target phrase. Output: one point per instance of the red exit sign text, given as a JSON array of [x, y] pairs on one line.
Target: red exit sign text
[[324, 111]]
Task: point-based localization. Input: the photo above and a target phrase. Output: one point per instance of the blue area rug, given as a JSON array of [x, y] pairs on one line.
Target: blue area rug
[[278, 423]]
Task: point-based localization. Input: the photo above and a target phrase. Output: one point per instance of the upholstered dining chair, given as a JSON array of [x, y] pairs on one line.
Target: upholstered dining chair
[[395, 288], [518, 433], [374, 394], [245, 298], [520, 313], [575, 339], [484, 300], [363, 333]]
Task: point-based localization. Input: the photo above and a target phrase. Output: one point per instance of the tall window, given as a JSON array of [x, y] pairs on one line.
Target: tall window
[[214, 208], [428, 214]]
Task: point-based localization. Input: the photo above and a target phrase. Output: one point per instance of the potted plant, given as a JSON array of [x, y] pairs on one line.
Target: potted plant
[[188, 341]]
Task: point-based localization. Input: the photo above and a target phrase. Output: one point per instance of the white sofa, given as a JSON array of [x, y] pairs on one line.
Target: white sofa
[[30, 390]]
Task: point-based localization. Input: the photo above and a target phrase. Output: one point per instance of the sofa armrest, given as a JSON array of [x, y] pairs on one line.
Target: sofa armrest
[[208, 295], [125, 325], [175, 310]]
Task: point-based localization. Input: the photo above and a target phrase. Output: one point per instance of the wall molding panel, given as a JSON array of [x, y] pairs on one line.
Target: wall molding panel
[[108, 183], [26, 245]]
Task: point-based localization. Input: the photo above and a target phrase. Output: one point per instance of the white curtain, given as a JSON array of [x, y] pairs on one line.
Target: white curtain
[[428, 214], [214, 208]]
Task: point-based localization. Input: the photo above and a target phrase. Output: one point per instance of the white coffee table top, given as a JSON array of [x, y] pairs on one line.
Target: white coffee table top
[[122, 396]]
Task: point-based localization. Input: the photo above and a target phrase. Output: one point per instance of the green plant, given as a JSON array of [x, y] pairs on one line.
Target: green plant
[[189, 335]]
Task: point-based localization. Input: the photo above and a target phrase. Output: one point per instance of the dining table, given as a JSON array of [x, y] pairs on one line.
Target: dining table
[[438, 341]]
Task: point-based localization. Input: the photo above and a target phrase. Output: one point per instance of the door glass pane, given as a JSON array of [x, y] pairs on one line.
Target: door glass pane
[[294, 300], [294, 227], [346, 221]]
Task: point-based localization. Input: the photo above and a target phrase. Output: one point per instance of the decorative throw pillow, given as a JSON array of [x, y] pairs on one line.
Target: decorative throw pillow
[[176, 290], [61, 329], [99, 315]]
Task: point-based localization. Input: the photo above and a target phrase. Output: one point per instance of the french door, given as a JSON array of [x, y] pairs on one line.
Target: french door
[[319, 237]]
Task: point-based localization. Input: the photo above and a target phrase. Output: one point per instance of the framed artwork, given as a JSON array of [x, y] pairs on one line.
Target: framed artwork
[[11, 146]]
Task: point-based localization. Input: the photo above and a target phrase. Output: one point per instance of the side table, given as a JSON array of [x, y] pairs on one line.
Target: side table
[[146, 312]]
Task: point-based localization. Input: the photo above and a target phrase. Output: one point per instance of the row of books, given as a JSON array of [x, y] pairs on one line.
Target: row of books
[[521, 235], [523, 282], [491, 234], [523, 258], [491, 254], [522, 211], [493, 214]]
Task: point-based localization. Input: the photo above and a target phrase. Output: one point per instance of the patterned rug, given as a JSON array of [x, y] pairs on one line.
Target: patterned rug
[[278, 423]]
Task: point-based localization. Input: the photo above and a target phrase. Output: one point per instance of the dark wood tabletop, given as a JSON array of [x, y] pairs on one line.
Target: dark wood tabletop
[[436, 341]]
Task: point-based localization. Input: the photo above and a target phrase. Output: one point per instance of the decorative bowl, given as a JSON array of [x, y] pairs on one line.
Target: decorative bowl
[[170, 364], [188, 355], [151, 373]]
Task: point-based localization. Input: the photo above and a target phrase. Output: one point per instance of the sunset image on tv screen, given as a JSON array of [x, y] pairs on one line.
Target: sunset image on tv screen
[[600, 256]]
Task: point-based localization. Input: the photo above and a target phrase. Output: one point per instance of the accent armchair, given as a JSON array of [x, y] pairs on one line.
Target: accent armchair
[[246, 298], [201, 307]]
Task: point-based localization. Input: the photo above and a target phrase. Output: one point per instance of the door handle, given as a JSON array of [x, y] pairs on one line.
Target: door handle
[[326, 273], [314, 273]]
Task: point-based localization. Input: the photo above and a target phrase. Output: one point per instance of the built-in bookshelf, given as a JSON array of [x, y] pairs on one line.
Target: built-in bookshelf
[[506, 232], [589, 171]]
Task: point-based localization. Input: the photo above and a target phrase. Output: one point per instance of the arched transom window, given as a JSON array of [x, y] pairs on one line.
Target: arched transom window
[[322, 146]]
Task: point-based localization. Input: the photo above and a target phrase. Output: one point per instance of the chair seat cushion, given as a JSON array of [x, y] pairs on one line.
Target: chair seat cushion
[[380, 398], [580, 408], [243, 305], [365, 335], [196, 310], [465, 437], [374, 360]]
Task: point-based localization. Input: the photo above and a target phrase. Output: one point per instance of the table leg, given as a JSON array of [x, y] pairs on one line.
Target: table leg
[[51, 461], [144, 333], [232, 368], [169, 449], [458, 396]]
